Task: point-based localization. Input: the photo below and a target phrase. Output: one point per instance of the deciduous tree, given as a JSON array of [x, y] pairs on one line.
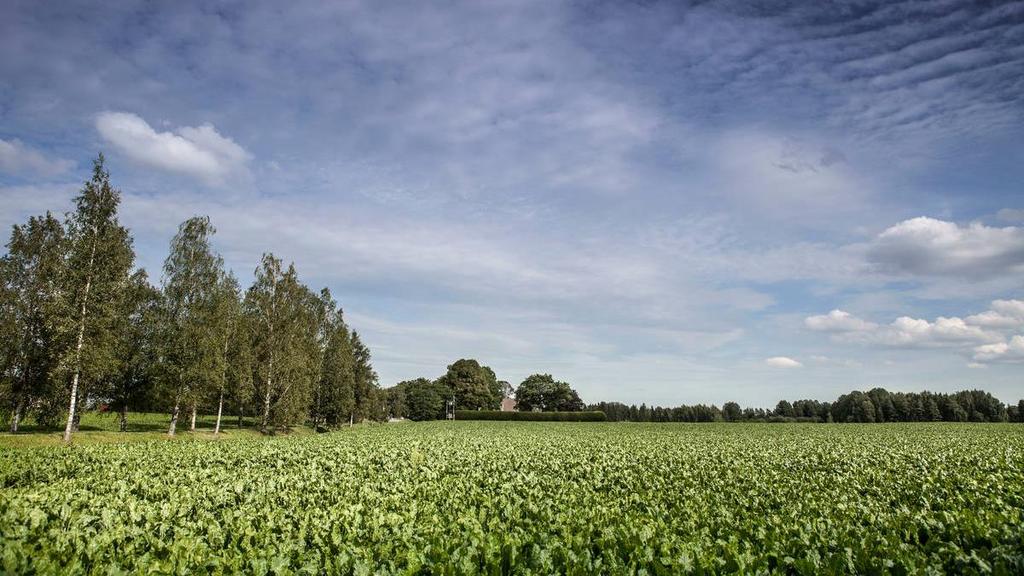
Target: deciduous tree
[[95, 272]]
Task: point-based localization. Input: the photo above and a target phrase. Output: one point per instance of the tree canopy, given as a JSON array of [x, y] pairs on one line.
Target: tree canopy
[[542, 392]]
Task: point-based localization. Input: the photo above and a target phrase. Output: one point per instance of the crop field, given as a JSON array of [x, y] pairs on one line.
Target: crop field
[[527, 498]]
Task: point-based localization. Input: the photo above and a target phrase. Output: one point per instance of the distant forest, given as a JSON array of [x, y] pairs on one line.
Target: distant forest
[[876, 405]]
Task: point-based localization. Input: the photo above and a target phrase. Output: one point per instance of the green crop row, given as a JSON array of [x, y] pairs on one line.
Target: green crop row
[[527, 498]]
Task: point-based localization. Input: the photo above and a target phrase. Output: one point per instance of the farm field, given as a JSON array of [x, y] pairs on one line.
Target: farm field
[[527, 498]]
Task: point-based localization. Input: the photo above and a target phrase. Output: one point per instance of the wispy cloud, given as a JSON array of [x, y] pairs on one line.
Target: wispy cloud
[[782, 362], [19, 159]]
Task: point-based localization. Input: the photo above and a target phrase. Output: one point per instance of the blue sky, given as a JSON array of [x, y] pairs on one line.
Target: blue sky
[[657, 202]]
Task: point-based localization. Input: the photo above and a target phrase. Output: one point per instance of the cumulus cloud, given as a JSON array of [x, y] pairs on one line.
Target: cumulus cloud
[[926, 246], [1004, 314], [782, 362], [838, 321], [907, 331], [200, 152], [986, 337], [17, 158], [1012, 351]]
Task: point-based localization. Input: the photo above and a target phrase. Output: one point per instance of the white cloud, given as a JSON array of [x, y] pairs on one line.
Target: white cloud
[[838, 321], [17, 158], [782, 362], [983, 337], [1011, 308], [1012, 351], [1004, 314], [926, 246], [907, 331], [200, 152]]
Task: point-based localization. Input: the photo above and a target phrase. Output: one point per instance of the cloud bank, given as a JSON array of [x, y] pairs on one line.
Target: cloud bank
[[988, 336]]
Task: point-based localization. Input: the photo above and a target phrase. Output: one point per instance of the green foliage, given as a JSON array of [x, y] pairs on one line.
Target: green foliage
[[137, 352], [422, 399], [543, 392], [368, 403], [578, 416], [79, 329], [191, 348], [29, 280], [334, 395], [876, 405], [475, 387], [283, 333], [94, 275], [527, 498]]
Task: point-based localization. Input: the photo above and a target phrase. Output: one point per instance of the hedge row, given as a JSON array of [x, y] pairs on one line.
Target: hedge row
[[593, 416]]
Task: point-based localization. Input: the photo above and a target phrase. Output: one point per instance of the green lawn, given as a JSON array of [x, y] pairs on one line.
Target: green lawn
[[102, 428], [527, 498]]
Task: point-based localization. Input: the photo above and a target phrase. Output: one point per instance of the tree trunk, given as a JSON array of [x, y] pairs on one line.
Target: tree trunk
[[124, 417], [174, 419], [266, 411], [192, 426], [16, 417], [220, 408], [351, 418], [71, 425], [78, 416], [266, 396]]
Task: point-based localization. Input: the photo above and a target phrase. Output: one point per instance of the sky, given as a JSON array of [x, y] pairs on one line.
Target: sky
[[658, 202]]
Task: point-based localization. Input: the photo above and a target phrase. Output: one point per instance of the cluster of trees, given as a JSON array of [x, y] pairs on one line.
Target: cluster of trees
[[543, 393], [876, 405], [473, 386], [467, 383], [80, 326]]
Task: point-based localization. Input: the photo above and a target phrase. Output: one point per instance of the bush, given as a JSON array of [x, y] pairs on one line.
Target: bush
[[592, 416]]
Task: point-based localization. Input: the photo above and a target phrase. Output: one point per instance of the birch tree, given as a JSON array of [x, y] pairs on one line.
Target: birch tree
[[283, 338], [95, 272], [191, 274], [232, 355]]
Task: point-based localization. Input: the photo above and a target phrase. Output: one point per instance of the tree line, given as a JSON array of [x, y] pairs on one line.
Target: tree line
[[472, 386], [876, 405], [82, 327]]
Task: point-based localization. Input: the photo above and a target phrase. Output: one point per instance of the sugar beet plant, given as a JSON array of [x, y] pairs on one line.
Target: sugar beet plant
[[527, 498]]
